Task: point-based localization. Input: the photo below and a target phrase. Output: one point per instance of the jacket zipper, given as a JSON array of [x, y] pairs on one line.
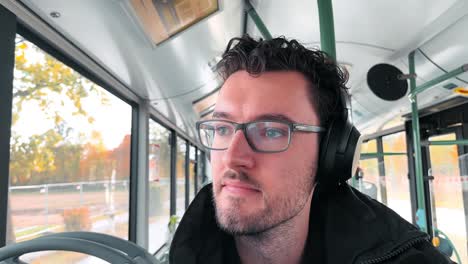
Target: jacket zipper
[[396, 252]]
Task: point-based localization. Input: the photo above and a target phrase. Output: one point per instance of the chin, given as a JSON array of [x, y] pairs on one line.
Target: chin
[[236, 220]]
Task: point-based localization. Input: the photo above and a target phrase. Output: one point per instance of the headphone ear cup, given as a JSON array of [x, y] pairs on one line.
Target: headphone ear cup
[[337, 154], [328, 148], [350, 154]]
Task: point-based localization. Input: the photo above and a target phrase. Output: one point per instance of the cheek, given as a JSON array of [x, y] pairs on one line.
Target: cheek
[[305, 147], [216, 159], [289, 168], [275, 172]]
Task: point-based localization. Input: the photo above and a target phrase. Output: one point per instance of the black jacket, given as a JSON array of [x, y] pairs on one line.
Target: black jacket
[[353, 228]]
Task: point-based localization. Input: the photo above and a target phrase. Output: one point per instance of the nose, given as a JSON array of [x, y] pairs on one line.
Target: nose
[[239, 152]]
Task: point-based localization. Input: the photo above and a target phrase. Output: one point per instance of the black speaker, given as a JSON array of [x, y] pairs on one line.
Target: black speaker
[[385, 82]]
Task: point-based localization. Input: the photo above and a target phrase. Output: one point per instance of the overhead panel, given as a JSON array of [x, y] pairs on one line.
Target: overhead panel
[[205, 105], [162, 19]]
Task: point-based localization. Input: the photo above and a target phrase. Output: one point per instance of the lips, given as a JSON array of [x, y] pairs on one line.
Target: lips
[[239, 188]]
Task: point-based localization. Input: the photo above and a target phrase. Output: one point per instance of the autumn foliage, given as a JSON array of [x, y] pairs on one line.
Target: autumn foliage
[[77, 219], [63, 153]]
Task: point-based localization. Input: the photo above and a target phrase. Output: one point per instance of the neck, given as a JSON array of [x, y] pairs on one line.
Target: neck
[[281, 244]]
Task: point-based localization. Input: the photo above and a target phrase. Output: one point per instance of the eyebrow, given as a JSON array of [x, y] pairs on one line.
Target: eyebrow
[[271, 116]]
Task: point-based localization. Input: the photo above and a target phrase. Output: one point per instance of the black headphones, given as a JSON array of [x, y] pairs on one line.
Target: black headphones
[[339, 149]]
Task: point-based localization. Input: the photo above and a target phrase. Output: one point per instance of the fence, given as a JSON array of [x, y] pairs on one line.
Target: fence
[[36, 209]]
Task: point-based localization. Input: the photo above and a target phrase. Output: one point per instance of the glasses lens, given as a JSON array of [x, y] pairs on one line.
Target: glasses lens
[[268, 136], [216, 134]]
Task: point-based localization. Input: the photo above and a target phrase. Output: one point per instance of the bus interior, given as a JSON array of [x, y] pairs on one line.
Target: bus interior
[[99, 101]]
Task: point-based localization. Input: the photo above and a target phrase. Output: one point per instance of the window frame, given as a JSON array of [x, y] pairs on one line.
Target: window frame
[[40, 33], [43, 44], [7, 51]]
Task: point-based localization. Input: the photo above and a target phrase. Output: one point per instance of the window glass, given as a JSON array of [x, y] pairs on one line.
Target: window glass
[[447, 193], [369, 171], [396, 175], [369, 146], [68, 154], [180, 177], [159, 162]]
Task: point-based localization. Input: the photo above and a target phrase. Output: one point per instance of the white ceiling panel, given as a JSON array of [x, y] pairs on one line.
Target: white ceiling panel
[[176, 72]]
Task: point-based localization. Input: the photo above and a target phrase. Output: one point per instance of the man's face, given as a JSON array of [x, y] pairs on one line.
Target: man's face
[[254, 192]]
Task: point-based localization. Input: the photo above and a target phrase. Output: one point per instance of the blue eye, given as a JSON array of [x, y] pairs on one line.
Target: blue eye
[[274, 133], [222, 130]]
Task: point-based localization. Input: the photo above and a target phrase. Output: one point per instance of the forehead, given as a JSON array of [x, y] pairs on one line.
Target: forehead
[[244, 97]]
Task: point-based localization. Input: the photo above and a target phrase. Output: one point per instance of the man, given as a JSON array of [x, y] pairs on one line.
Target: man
[[265, 204]]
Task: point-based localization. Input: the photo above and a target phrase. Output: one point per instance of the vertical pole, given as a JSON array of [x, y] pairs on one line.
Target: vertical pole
[[139, 191], [203, 169], [134, 167], [7, 55], [187, 174], [257, 20], [411, 172], [327, 27], [464, 171], [382, 177], [196, 172], [421, 220], [173, 172], [245, 22]]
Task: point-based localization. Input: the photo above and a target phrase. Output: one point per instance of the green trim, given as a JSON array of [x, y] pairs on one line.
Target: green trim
[[257, 20], [371, 155], [327, 27], [414, 91], [439, 79], [447, 142], [417, 146]]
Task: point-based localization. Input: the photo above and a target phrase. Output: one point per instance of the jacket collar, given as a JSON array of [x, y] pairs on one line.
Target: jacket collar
[[355, 228], [360, 228], [198, 235]]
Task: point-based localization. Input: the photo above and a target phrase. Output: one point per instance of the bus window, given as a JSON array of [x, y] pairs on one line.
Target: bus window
[[180, 176], [370, 169], [396, 175], [448, 193], [159, 160], [70, 161]]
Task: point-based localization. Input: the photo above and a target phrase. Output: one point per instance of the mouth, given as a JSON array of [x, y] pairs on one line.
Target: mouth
[[239, 189]]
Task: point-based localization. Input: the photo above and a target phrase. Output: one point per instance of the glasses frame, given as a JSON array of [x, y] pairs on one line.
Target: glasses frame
[[293, 127]]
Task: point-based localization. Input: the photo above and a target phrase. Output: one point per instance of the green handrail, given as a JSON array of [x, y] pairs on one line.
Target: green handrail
[[370, 155], [446, 142], [440, 79], [327, 27], [257, 20], [414, 91], [417, 148]]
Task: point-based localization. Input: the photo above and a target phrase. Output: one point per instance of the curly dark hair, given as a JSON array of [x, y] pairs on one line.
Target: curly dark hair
[[327, 80]]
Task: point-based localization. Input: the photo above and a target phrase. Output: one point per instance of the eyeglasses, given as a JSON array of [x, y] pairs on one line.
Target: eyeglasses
[[262, 136]]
